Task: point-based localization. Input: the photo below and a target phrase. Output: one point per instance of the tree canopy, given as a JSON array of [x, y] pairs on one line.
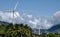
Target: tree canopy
[[17, 30]]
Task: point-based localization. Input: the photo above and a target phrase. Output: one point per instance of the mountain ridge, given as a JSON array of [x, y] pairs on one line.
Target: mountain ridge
[[55, 27]]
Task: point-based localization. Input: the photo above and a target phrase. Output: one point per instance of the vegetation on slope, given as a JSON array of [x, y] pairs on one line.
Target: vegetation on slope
[[17, 30]]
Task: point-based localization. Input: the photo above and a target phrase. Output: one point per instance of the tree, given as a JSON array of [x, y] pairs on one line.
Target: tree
[[17, 30], [51, 35], [2, 30]]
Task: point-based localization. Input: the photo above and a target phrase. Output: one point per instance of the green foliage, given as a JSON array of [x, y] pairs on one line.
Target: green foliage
[[17, 30], [51, 35]]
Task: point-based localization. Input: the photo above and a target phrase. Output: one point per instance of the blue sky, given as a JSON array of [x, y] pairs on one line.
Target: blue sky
[[34, 7]]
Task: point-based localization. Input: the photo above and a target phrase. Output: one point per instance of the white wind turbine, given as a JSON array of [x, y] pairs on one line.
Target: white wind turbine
[[39, 24], [14, 10]]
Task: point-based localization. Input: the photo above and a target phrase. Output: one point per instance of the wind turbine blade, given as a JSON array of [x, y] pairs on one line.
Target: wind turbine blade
[[16, 5], [19, 16], [16, 14]]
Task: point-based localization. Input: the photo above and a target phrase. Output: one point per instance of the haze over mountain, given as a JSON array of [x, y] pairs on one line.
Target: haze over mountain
[[34, 22]]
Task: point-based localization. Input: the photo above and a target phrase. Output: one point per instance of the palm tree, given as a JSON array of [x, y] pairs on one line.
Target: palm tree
[[23, 30], [27, 30], [10, 30], [17, 30]]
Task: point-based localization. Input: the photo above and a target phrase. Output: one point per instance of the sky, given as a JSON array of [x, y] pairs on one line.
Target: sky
[[35, 7], [34, 12]]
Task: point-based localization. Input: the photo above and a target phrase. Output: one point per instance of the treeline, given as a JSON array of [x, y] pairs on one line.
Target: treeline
[[16, 30]]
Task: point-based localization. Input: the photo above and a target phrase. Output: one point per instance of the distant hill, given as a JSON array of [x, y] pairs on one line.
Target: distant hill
[[36, 31], [54, 28], [2, 22]]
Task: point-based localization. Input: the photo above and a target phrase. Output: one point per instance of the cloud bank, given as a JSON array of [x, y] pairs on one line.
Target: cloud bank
[[8, 16], [34, 22]]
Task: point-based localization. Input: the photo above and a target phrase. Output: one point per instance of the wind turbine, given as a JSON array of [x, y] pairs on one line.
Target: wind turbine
[[14, 10], [39, 24]]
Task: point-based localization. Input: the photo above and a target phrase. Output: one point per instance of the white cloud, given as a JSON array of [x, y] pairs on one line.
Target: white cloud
[[56, 18], [47, 24], [8, 16], [32, 21], [29, 16]]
